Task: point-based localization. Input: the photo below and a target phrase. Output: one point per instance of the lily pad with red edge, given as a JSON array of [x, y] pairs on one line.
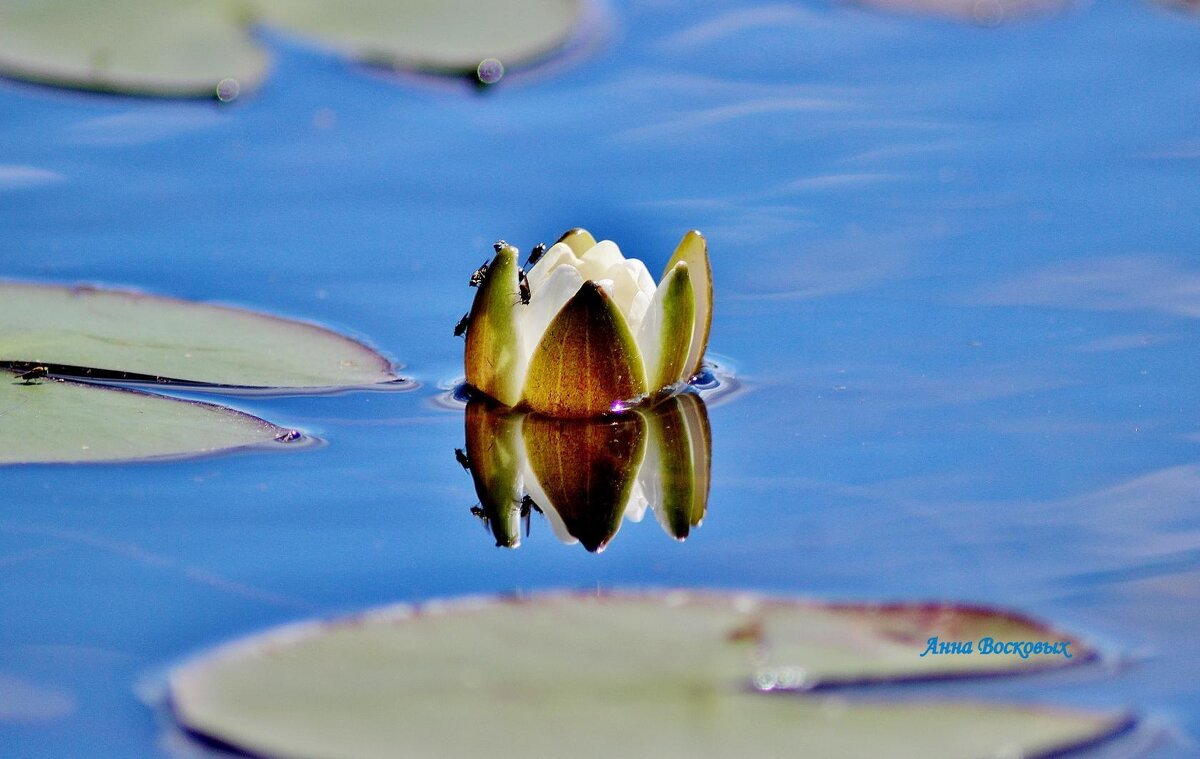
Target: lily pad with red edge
[[658, 674]]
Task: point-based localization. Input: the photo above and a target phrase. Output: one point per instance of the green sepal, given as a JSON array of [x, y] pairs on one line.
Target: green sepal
[[693, 249], [678, 324], [586, 361], [492, 352]]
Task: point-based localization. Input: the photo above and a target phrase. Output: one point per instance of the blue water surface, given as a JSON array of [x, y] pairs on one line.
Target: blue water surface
[[956, 269]]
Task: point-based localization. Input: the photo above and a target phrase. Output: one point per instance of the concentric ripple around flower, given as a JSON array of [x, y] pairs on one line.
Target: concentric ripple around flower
[[596, 335]]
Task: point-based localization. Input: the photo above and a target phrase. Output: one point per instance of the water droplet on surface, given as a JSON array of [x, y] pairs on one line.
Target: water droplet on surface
[[780, 678], [228, 90], [490, 70]]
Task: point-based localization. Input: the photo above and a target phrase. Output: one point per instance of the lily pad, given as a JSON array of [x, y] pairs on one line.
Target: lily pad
[[148, 47], [187, 47], [50, 421], [979, 12], [111, 334], [450, 36], [669, 675]]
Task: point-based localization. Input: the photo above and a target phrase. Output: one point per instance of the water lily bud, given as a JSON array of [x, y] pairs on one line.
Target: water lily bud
[[587, 332]]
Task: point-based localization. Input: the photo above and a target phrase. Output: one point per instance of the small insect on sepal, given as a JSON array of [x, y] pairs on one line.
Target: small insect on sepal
[[499, 245], [527, 507], [536, 254], [461, 457], [523, 283], [478, 512], [31, 376], [480, 274], [460, 329]]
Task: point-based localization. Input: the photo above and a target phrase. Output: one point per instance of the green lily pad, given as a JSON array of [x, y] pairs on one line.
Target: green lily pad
[[980, 12], [450, 36], [599, 676], [49, 421], [187, 47], [149, 47], [110, 334]]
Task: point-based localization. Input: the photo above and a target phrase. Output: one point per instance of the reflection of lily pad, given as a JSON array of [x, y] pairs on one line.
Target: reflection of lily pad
[[117, 332], [185, 47], [49, 421], [980, 12], [569, 675]]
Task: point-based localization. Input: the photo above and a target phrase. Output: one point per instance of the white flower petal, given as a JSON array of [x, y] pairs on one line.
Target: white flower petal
[[646, 490], [559, 254], [624, 289], [538, 494], [641, 275], [649, 337], [637, 311], [545, 301], [602, 257]]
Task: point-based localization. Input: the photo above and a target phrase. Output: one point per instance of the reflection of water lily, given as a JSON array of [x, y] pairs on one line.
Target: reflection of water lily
[[588, 331], [587, 475]]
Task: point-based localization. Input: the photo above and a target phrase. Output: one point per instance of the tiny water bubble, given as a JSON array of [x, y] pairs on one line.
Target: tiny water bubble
[[228, 90], [490, 70], [780, 678]]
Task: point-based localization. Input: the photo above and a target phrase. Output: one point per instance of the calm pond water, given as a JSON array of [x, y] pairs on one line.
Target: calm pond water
[[955, 269]]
